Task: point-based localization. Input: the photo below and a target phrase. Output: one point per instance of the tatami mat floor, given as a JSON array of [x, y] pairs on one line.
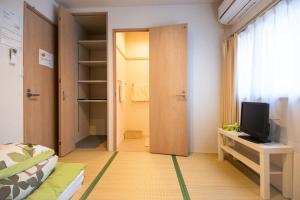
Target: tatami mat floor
[[94, 160], [134, 145], [141, 175]]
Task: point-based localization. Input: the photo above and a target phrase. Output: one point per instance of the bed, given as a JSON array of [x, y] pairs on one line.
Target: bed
[[32, 172]]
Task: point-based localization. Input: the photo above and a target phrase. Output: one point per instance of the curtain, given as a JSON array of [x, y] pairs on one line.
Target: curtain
[[268, 68], [228, 96]]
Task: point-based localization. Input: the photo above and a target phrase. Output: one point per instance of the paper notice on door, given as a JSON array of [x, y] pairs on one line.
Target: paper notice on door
[[46, 58]]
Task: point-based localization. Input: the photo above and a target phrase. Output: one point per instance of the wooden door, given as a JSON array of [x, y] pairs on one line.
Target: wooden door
[[40, 81], [66, 69], [168, 90]]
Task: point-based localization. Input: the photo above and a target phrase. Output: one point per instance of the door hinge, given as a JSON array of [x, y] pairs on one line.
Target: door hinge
[[59, 143], [59, 18]]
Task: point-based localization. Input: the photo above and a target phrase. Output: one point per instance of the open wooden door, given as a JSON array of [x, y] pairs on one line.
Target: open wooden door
[[67, 66], [168, 90]]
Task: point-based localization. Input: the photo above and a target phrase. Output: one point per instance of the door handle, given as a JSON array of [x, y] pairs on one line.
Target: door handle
[[64, 95], [182, 95], [30, 94]]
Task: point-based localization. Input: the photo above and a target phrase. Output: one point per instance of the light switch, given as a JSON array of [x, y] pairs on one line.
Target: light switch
[[13, 56]]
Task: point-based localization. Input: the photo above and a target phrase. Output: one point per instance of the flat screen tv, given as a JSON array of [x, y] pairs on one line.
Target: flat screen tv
[[255, 121]]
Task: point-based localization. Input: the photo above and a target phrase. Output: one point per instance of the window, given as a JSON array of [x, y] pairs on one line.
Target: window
[[268, 68], [268, 55]]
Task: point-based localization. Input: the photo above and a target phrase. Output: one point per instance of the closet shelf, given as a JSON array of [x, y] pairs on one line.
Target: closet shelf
[[93, 44], [92, 63], [92, 100], [92, 81]]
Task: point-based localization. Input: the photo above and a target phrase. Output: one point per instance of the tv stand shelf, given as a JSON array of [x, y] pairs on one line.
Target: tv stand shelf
[[260, 165]]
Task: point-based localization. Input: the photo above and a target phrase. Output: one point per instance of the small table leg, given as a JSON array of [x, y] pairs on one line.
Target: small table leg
[[287, 177], [220, 151], [264, 176]]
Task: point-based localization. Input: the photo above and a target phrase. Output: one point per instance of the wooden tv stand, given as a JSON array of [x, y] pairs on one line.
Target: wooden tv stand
[[262, 167]]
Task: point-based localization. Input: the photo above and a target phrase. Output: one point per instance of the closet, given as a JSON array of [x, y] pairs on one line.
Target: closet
[[83, 81]]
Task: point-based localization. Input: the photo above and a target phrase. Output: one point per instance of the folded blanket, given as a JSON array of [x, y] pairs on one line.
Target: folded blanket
[[15, 158], [63, 175], [20, 185]]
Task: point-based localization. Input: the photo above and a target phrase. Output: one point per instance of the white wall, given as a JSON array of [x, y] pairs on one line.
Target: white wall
[[204, 66], [11, 78], [204, 61]]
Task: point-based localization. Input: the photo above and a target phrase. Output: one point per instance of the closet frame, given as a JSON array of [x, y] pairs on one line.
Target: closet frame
[[81, 64], [72, 28]]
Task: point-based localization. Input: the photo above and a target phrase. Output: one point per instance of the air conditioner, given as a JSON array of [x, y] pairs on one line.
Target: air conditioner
[[231, 11]]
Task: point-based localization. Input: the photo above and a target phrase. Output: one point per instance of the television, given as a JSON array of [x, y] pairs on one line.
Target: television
[[255, 121]]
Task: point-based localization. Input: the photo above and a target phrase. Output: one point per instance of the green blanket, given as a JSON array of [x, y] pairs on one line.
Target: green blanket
[[57, 182]]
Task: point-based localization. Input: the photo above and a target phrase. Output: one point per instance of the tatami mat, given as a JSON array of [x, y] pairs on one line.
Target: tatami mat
[[94, 160], [208, 178], [138, 175], [133, 145], [143, 176]]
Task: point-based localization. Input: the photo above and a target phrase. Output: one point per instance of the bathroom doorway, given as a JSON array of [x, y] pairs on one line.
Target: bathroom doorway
[[153, 84], [132, 90]]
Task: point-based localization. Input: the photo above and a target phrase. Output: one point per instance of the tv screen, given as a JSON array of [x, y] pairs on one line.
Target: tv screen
[[255, 120]]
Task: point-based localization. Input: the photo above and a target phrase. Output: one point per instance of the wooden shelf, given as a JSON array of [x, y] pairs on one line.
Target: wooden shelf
[[92, 81], [260, 161], [92, 100], [92, 63], [93, 44]]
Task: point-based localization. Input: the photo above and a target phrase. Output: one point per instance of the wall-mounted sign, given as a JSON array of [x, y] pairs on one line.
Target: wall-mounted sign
[[46, 58]]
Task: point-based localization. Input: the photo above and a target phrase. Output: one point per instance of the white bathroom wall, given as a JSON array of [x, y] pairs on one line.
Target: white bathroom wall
[[132, 68], [137, 68], [121, 75]]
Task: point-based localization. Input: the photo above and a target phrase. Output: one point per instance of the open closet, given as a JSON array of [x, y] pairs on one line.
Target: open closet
[[83, 81]]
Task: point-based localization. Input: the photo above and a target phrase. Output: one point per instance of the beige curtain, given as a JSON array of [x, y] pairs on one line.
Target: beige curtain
[[229, 108]]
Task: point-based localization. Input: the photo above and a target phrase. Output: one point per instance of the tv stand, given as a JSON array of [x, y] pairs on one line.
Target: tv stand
[[253, 139], [260, 165]]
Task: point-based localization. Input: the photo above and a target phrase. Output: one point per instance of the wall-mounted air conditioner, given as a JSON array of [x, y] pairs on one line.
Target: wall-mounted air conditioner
[[231, 11]]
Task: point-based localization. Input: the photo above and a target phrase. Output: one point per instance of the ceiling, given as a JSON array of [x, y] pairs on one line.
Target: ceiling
[[108, 3]]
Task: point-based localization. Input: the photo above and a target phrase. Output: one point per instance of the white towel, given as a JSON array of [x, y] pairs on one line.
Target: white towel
[[140, 92]]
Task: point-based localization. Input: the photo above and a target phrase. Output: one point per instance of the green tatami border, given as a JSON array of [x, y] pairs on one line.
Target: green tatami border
[[98, 177], [184, 191]]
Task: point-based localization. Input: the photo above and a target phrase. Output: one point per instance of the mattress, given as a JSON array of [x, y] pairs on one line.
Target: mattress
[[73, 187]]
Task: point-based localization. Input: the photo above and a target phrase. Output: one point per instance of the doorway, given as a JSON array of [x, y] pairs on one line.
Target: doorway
[[132, 90], [167, 96]]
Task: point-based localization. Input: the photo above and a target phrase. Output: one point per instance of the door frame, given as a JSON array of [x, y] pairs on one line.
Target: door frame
[[114, 34], [38, 13]]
